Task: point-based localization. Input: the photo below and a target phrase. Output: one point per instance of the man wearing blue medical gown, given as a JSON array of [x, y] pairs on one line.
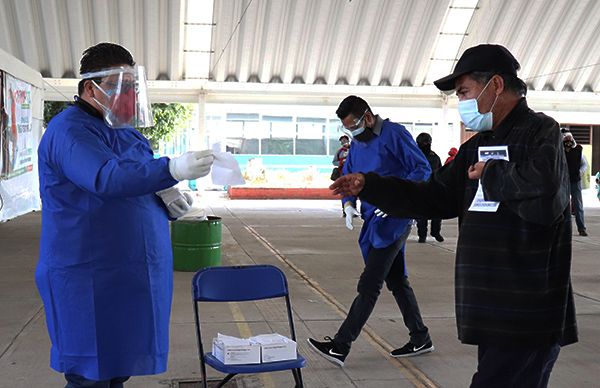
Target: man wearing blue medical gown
[[389, 149], [105, 268]]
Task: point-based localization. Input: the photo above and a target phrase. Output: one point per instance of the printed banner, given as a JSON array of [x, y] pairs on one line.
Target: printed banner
[[17, 137]]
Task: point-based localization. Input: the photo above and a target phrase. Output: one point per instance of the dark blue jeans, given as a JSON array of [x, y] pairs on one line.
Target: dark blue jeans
[[385, 264], [577, 201], [76, 381], [514, 366]]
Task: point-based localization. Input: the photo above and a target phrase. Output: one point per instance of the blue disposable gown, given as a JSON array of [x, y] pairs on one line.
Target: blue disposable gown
[[392, 152], [105, 268]]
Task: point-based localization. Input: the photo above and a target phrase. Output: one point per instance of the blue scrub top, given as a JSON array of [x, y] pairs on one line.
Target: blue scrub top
[[392, 152], [105, 268]]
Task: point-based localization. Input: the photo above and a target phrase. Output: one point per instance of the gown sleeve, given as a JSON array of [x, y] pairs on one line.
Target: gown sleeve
[[89, 163]]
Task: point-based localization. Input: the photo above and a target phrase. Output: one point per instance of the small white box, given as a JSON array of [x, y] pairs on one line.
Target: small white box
[[235, 351], [275, 347]]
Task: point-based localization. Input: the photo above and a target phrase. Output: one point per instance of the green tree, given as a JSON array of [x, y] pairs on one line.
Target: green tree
[[167, 118], [51, 109]]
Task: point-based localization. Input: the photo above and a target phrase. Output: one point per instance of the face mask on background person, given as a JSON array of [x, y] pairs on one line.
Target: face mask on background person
[[568, 144], [470, 116], [569, 141]]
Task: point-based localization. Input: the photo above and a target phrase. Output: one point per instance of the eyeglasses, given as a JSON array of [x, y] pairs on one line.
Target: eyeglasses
[[357, 121]]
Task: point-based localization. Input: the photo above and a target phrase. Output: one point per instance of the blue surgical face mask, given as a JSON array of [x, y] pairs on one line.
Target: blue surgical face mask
[[470, 116], [357, 131]]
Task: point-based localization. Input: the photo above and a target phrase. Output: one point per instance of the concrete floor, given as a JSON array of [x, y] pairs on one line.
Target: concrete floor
[[308, 241]]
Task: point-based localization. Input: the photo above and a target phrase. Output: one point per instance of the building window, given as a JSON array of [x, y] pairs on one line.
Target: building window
[[310, 138]]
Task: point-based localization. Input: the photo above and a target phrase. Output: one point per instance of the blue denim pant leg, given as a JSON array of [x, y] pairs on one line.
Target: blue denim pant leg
[[577, 201], [76, 381], [385, 264]]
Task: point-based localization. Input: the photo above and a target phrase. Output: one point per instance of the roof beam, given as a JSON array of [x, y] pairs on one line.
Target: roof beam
[[446, 49], [175, 39], [53, 38]]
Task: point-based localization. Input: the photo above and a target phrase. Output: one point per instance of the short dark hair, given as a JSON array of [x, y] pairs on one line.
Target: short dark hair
[[103, 56], [424, 138], [352, 104], [511, 83]]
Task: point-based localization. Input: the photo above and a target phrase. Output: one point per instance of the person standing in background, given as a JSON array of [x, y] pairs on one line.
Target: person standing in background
[[342, 153], [338, 161], [451, 154], [577, 167], [424, 141]]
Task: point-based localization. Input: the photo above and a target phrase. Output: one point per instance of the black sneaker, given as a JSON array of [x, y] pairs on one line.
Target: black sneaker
[[410, 350], [422, 239], [582, 232], [438, 237], [328, 350]]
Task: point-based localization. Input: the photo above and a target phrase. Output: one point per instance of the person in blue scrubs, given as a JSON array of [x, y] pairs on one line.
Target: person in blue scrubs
[[105, 267], [386, 148]]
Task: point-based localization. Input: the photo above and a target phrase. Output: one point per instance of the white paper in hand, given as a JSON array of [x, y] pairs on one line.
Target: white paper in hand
[[225, 170]]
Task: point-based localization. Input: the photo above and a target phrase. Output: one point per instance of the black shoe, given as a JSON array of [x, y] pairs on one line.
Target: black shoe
[[328, 350], [422, 239], [582, 232], [410, 350], [438, 237]]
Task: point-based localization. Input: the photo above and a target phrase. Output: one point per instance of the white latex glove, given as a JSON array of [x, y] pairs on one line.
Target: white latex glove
[[191, 165], [380, 213], [177, 203], [351, 212]]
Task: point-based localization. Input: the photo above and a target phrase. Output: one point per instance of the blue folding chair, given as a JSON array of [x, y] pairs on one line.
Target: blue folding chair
[[239, 284]]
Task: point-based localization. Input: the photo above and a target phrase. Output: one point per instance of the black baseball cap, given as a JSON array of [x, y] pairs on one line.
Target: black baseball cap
[[486, 58]]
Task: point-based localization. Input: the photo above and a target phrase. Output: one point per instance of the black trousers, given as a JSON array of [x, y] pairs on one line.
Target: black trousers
[[385, 264], [436, 227], [76, 381], [514, 366]]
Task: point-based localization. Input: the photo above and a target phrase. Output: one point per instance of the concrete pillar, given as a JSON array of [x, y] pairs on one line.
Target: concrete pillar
[[199, 139]]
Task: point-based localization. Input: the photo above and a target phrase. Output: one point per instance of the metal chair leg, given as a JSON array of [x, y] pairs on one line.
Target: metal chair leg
[[226, 379], [298, 378]]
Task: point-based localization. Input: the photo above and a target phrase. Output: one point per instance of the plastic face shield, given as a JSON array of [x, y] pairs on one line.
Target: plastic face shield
[[125, 100]]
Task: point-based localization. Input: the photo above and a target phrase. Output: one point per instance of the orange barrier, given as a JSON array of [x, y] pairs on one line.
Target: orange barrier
[[280, 193]]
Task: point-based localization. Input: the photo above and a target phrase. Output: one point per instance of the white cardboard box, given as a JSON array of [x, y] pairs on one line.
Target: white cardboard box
[[275, 347], [235, 351]]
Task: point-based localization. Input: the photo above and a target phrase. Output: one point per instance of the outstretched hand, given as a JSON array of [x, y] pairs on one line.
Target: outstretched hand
[[350, 184]]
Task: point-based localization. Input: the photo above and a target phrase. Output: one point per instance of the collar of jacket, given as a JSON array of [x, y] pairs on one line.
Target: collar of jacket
[[378, 124], [509, 121], [87, 108]]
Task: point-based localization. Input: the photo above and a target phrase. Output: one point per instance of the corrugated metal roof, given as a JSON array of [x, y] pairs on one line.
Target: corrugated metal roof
[[556, 41], [322, 42], [383, 42], [50, 35]]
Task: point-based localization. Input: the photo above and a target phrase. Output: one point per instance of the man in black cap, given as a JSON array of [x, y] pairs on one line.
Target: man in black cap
[[513, 288]]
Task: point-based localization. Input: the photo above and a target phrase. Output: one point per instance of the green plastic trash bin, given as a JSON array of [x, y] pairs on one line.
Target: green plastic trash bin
[[196, 244]]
